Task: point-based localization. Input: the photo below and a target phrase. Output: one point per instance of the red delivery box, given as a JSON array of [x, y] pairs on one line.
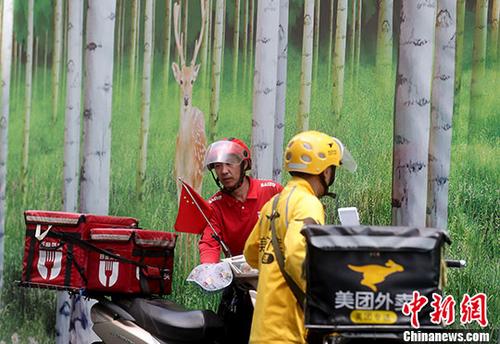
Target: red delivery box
[[53, 257], [130, 261]]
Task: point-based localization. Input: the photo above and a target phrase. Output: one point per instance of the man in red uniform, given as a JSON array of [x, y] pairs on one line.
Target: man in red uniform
[[235, 210]]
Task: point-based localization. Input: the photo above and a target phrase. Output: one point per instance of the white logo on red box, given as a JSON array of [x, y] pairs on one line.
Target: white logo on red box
[[108, 270], [49, 260]]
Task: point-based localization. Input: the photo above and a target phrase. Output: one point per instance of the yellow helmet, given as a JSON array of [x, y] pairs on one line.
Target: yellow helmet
[[312, 152]]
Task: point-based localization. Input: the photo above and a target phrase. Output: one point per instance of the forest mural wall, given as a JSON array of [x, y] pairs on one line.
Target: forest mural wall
[[93, 94]]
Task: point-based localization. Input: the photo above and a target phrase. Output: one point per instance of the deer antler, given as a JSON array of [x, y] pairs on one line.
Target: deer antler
[[178, 41], [200, 39]]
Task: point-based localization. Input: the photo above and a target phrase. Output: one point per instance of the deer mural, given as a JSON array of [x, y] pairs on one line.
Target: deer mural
[[191, 140]]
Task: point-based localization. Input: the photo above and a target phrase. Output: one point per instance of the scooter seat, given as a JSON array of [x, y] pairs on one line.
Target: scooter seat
[[171, 322]]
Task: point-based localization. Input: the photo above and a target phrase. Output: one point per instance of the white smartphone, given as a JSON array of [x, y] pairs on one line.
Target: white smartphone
[[349, 216]]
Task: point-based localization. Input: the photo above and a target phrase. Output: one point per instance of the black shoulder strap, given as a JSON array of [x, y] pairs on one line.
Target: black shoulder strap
[[299, 294]]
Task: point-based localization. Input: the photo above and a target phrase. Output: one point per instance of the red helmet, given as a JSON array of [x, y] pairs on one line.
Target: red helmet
[[228, 151]]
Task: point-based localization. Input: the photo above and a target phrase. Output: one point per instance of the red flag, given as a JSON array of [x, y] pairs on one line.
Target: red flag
[[193, 212]]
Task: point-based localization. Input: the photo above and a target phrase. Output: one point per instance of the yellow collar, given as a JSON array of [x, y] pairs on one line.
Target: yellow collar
[[301, 183]]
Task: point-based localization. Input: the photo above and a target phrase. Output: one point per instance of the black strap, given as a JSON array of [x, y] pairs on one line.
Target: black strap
[[299, 294], [90, 246]]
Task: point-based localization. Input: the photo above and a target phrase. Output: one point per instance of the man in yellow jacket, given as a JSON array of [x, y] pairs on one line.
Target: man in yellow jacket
[[311, 158]]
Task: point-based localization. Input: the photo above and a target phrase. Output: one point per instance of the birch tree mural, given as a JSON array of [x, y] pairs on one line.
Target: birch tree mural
[[216, 69], [357, 53], [27, 100], [352, 39], [56, 57], [339, 58], [251, 36], [279, 125], [264, 89], [245, 38], [166, 52], [71, 144], [133, 44], [146, 98], [412, 113], [441, 115], [236, 40], [306, 67], [205, 67], [493, 45], [459, 53], [95, 174], [317, 19], [5, 61], [384, 37], [330, 38], [478, 69]]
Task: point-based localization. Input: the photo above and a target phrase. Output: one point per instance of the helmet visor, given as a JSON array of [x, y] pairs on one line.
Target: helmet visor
[[226, 152], [348, 161]]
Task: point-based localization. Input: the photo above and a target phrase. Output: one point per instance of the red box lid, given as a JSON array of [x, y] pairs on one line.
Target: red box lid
[[150, 238], [53, 217], [111, 234]]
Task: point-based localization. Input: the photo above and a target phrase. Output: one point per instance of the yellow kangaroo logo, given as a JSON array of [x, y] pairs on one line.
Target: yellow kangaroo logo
[[375, 274]]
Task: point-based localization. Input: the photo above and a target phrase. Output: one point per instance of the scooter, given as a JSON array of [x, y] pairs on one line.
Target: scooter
[[139, 320], [153, 321]]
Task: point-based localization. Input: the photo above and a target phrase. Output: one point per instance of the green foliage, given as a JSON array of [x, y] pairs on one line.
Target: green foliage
[[365, 127]]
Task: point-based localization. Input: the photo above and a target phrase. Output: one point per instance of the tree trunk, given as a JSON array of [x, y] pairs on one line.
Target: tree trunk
[[339, 58], [330, 38], [27, 100], [495, 16], [223, 39], [441, 115], [19, 64], [216, 69], [95, 174], [133, 46], [317, 16], [71, 144], [279, 125], [251, 25], [168, 36], [119, 55], [236, 40], [45, 62], [358, 43], [206, 43], [146, 98], [352, 41], [245, 38], [478, 70], [137, 44], [6, 61], [459, 53], [384, 37], [57, 56], [264, 89], [35, 65], [412, 113], [306, 67], [65, 45]]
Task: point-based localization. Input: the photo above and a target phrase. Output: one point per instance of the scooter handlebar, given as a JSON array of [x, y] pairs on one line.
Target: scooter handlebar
[[452, 263]]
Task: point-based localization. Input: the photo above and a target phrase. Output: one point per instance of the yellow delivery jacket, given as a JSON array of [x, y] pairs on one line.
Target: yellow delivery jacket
[[277, 317]]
